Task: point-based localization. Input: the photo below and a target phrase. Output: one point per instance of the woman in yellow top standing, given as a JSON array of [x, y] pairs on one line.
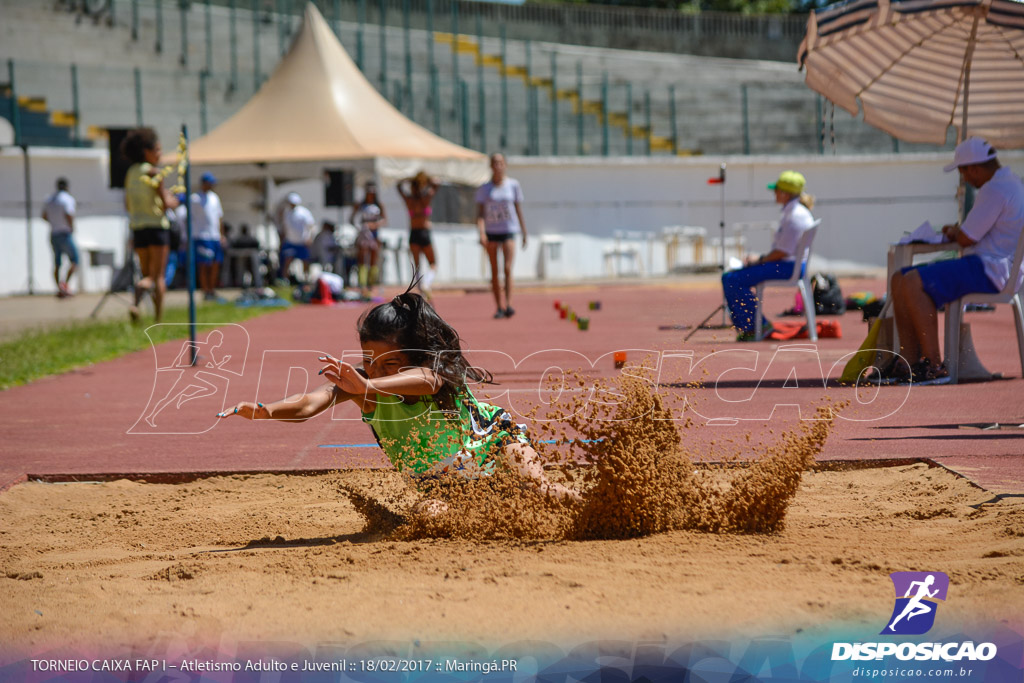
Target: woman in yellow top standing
[[147, 202]]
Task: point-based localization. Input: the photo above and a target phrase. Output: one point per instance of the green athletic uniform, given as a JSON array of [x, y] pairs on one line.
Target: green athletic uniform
[[419, 435]]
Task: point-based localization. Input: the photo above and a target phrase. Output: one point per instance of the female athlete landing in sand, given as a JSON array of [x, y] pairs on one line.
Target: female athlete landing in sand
[[414, 396]]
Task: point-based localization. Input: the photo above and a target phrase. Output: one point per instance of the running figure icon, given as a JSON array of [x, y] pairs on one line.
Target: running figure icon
[[917, 595], [198, 386], [916, 607], [192, 379]]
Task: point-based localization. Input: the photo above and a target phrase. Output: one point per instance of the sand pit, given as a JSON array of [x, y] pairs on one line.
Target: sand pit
[[282, 558]]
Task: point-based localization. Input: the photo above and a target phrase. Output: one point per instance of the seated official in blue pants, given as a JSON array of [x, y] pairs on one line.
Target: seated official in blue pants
[[778, 263], [989, 233]]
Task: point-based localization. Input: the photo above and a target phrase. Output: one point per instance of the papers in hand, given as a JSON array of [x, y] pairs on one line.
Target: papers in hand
[[925, 234]]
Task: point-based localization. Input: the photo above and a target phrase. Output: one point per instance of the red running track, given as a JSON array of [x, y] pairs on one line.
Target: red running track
[[93, 421]]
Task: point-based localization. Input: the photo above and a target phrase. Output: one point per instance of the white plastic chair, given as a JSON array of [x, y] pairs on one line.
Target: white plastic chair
[[801, 279], [1009, 295]]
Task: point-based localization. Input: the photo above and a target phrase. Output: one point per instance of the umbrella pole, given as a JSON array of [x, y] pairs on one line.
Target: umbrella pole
[[968, 58], [961, 193], [187, 180]]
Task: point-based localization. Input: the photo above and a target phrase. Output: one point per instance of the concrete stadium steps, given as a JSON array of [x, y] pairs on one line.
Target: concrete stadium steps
[[170, 93], [107, 96], [782, 113], [105, 56], [39, 125], [534, 70], [395, 55], [708, 88]]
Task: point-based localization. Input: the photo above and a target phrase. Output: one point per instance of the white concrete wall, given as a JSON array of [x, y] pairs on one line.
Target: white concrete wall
[[100, 223], [865, 202]]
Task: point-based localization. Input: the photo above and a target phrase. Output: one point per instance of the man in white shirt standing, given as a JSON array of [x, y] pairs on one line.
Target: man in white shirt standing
[[295, 228], [208, 236], [59, 212]]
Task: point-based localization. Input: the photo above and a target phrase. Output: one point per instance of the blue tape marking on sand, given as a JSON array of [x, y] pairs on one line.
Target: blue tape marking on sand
[[373, 445]]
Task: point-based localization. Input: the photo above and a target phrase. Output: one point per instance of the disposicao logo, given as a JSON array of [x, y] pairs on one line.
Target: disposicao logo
[[916, 595]]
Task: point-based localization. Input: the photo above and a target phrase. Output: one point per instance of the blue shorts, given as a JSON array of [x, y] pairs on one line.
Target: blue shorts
[[63, 243], [291, 250], [209, 251], [946, 281]]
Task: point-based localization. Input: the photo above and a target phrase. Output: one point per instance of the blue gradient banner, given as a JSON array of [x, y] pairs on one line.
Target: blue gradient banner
[[835, 656]]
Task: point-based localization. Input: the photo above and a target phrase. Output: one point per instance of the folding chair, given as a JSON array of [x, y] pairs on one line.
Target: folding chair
[[801, 279], [1010, 294]]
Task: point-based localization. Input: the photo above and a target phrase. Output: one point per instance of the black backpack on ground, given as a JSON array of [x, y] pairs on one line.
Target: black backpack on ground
[[828, 298]]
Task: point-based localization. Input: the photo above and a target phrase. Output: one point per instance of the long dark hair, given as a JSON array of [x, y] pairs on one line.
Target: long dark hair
[[371, 188], [410, 323], [137, 142]]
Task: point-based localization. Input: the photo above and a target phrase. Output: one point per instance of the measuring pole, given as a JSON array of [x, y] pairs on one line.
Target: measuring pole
[[191, 253]]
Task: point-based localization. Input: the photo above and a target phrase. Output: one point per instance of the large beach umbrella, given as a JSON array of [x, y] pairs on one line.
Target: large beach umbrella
[[917, 67]]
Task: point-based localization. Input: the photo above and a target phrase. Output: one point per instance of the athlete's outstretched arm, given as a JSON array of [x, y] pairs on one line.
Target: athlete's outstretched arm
[[408, 381], [294, 408]]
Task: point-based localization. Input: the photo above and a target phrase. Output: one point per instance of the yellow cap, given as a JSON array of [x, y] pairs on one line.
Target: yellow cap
[[789, 181]]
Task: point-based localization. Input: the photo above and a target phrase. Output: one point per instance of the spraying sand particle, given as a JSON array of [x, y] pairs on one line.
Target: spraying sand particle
[[624, 453]]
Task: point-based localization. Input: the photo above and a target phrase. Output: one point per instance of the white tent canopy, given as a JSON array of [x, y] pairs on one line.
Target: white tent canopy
[[318, 109]]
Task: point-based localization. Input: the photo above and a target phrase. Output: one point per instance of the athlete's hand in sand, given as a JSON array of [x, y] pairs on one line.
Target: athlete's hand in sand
[[344, 375], [250, 411], [431, 507], [561, 493]]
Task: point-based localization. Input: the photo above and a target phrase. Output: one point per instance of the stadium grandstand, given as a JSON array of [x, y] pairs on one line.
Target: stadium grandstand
[[544, 80]]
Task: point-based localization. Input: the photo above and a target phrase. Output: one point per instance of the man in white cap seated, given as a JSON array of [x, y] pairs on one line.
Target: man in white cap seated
[[989, 236], [295, 228]]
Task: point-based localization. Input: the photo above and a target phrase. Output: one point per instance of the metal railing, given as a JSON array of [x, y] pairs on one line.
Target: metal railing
[[540, 109], [774, 36]]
